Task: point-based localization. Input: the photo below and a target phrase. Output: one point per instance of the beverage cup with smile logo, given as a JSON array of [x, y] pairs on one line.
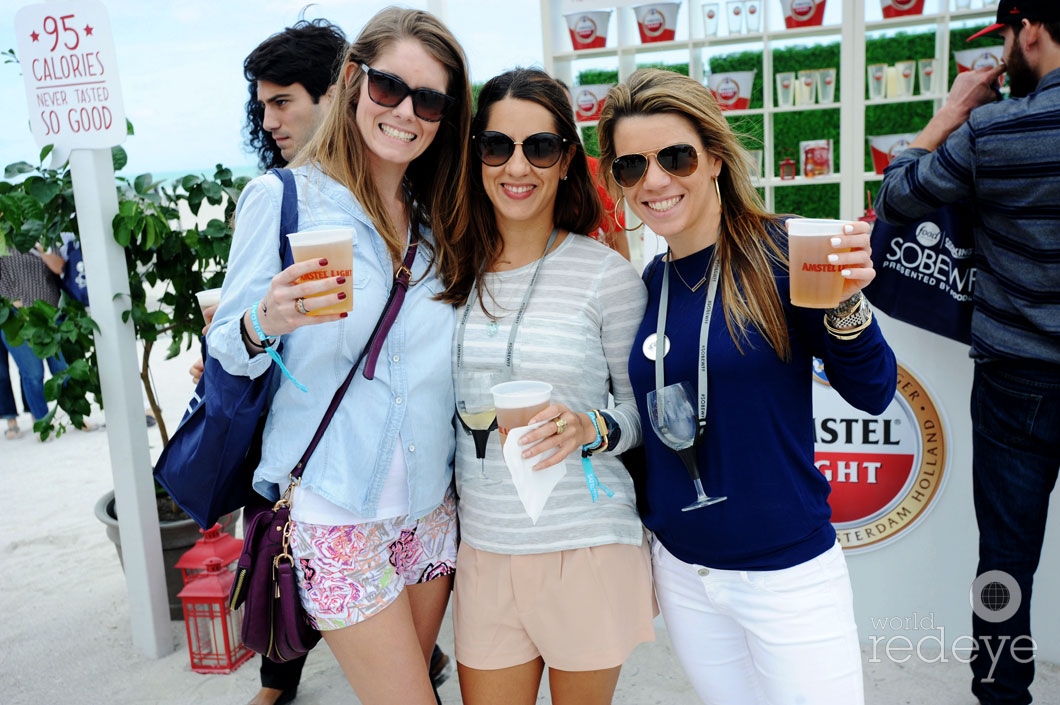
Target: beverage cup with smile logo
[[815, 282], [517, 402], [336, 246]]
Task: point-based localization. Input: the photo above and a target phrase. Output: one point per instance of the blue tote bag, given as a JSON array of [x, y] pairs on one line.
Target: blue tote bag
[[208, 463], [925, 271]]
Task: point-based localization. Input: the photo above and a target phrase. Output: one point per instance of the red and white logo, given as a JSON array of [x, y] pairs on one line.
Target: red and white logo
[[802, 10], [728, 91], [654, 23], [585, 29], [887, 471], [586, 103]]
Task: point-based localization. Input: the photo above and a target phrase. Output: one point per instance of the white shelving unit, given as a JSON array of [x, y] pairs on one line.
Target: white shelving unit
[[847, 21]]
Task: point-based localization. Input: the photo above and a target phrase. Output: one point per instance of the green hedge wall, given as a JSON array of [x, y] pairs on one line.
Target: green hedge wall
[[791, 128]]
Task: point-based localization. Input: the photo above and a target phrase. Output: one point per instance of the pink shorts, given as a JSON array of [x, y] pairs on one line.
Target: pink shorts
[[346, 574], [580, 610]]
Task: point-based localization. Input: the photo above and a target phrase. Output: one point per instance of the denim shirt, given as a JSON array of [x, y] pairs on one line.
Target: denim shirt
[[410, 402]]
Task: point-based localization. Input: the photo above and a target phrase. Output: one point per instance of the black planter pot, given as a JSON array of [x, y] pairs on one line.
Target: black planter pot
[[177, 538]]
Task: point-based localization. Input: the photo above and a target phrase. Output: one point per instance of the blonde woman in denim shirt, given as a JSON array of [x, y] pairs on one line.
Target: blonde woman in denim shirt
[[374, 520]]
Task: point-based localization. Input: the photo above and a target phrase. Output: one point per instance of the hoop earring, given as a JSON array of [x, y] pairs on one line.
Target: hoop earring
[[717, 189], [618, 205]]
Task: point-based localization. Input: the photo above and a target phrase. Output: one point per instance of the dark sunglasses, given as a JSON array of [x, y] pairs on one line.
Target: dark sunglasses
[[677, 159], [388, 90], [542, 150]]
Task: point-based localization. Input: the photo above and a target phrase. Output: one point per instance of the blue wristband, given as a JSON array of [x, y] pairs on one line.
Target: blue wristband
[[272, 351]]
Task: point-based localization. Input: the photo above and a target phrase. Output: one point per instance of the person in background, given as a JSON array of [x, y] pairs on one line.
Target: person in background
[[570, 590], [8, 409], [754, 589], [1001, 157], [25, 278], [612, 227], [383, 162]]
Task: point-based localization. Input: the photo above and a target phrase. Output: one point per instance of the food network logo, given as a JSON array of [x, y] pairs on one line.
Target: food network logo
[[994, 596]]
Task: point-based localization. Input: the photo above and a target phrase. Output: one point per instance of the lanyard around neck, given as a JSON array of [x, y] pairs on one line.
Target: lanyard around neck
[[472, 299], [660, 333]]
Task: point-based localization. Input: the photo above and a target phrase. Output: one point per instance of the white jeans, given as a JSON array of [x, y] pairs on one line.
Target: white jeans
[[774, 637]]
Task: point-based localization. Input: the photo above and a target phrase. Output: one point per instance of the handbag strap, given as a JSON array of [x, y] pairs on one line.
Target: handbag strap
[[371, 349], [288, 213]]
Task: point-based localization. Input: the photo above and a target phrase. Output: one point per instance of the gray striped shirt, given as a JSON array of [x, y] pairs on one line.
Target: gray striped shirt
[[576, 335]]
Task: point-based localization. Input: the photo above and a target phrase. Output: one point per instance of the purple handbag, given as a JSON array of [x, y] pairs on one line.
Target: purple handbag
[[275, 623]]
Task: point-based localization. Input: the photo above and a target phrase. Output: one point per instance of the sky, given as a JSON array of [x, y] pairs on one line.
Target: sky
[[181, 68]]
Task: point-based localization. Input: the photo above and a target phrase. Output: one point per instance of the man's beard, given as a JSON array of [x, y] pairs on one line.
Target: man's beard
[[1021, 77]]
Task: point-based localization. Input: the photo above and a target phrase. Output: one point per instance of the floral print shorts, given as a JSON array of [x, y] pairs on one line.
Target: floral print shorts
[[346, 574]]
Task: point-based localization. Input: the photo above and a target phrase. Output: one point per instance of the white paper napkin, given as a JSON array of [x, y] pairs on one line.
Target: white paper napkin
[[534, 487]]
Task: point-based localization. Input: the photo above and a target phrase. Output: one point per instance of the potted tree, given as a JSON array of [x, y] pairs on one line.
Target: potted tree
[[169, 258]]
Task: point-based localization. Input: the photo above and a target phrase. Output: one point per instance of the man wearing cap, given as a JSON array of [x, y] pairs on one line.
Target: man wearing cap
[[1003, 158]]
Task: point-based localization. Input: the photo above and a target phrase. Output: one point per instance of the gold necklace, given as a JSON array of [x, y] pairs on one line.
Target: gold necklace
[[700, 283]]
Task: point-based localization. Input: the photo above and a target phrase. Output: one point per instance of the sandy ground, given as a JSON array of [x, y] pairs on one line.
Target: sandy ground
[[65, 625]]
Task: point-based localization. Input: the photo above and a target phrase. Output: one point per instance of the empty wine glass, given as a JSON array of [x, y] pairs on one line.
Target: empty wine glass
[[674, 419], [477, 412]]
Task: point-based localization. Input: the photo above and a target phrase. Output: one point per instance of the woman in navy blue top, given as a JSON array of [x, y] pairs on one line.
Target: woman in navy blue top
[[754, 589]]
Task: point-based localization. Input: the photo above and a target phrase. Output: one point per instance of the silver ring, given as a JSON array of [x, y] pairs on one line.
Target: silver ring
[[299, 304]]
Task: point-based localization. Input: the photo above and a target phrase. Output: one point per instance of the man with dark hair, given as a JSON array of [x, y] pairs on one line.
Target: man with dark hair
[[290, 77], [1002, 158]]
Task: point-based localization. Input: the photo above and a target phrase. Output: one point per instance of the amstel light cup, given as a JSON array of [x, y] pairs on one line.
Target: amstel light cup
[[806, 90], [752, 15], [588, 30], [206, 299], [711, 10], [517, 402], [336, 246], [877, 80], [906, 76], [928, 69], [815, 282], [884, 148], [785, 89], [803, 13], [975, 59], [734, 16], [657, 21], [589, 101], [900, 8], [732, 89], [826, 85]]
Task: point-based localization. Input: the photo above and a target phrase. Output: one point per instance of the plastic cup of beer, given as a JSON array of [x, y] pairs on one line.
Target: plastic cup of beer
[[517, 402], [206, 299], [785, 89], [877, 81], [336, 246], [815, 282]]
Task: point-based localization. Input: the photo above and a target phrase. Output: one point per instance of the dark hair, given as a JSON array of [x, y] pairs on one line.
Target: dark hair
[[309, 53], [577, 207]]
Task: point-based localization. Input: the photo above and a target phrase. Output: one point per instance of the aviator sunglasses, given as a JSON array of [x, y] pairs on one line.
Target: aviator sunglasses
[[677, 159], [542, 150], [388, 90]]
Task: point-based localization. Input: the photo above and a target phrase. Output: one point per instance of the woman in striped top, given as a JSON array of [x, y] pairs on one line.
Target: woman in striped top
[[538, 300]]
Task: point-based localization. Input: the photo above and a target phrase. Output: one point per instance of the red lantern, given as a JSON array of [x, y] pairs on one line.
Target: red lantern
[[213, 629], [787, 169], [214, 543]]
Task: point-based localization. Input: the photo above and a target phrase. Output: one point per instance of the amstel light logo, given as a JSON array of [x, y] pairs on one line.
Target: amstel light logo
[[885, 471]]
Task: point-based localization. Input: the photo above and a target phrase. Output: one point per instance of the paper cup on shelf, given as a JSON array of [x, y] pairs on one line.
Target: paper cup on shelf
[[732, 90], [899, 8], [906, 76], [826, 85], [588, 30], [806, 88], [884, 148], [785, 89], [803, 13], [877, 81], [589, 101], [657, 21], [711, 10], [928, 69], [752, 15]]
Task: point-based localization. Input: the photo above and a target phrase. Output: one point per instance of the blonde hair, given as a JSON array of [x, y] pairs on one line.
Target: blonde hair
[[436, 180], [746, 252]]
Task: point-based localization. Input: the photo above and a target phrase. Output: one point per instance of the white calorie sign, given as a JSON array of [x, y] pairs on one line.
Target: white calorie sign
[[66, 51]]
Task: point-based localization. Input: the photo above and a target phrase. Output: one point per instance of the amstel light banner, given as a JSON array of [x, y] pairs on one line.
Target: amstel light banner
[[886, 471]]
